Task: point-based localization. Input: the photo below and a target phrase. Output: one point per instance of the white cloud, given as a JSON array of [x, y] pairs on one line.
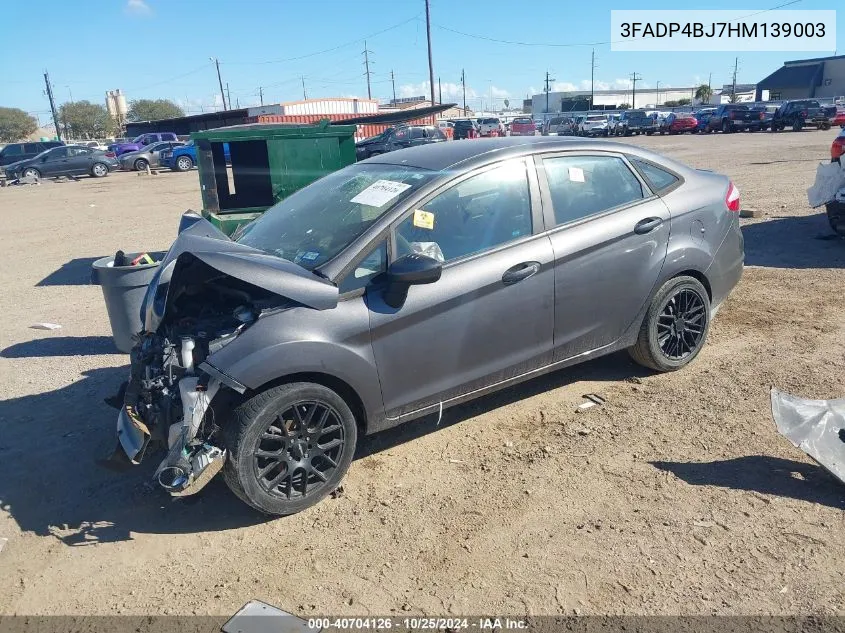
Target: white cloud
[[499, 93], [138, 7], [451, 92], [598, 84]]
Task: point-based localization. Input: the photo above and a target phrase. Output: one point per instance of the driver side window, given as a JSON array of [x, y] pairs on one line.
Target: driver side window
[[479, 213]]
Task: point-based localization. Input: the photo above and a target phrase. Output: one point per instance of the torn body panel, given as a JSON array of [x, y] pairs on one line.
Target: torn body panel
[[817, 427]]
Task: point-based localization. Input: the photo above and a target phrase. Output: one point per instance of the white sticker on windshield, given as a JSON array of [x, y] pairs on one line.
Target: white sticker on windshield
[[380, 193], [576, 174]]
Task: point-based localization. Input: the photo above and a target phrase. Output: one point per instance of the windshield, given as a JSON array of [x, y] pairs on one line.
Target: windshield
[[316, 223]]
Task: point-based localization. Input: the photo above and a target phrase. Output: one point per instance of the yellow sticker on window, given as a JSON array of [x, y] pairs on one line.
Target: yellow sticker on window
[[424, 219]]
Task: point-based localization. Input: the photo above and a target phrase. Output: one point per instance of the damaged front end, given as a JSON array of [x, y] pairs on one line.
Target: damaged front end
[[208, 290]]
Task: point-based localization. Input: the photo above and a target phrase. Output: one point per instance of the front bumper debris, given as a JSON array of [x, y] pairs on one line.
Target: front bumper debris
[[817, 427]]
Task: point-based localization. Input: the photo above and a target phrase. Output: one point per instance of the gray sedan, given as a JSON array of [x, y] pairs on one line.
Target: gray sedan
[[408, 283], [148, 156]]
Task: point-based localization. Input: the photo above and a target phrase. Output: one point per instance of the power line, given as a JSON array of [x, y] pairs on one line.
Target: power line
[[571, 45], [328, 50]]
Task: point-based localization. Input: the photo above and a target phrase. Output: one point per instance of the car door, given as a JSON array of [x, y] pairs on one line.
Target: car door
[[490, 316], [79, 161], [610, 240], [53, 163]]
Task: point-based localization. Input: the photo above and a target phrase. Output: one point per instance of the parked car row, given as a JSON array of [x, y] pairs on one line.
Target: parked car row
[[63, 160]]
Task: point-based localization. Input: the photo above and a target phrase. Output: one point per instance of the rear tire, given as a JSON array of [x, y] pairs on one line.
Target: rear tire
[[99, 170], [289, 447], [726, 127], [798, 126], [675, 326], [31, 172]]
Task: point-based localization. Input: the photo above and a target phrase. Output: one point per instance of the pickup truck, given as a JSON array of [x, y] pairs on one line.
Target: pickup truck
[[635, 122], [797, 114], [185, 157], [140, 141], [730, 117]]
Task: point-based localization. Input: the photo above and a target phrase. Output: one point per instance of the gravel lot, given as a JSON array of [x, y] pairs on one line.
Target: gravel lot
[[677, 496]]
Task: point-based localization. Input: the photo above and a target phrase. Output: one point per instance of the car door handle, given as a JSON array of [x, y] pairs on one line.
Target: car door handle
[[519, 272], [647, 225]]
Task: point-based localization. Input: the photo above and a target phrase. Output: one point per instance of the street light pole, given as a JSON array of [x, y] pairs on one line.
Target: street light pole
[[220, 81]]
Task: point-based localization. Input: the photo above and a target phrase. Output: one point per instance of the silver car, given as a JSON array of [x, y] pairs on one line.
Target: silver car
[[410, 282], [148, 156]]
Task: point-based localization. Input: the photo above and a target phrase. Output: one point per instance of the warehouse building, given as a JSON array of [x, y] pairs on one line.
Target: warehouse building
[[819, 78], [577, 100]]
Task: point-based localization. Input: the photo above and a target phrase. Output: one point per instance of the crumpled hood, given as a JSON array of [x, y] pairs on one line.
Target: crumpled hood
[[200, 238]]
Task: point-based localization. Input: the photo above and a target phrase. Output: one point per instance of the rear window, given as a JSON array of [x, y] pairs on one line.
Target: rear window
[[13, 150], [488, 121], [523, 121], [659, 179]]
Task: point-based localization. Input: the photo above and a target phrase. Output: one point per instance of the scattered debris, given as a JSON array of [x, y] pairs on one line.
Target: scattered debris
[[700, 539], [45, 326], [750, 213], [586, 405], [456, 461], [703, 524], [337, 492], [593, 400], [259, 617], [508, 444], [583, 431]]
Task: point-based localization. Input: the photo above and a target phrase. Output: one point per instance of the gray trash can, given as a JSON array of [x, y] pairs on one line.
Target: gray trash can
[[123, 290]]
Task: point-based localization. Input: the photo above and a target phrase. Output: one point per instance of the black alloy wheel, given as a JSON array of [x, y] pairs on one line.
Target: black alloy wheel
[[300, 449], [681, 324]]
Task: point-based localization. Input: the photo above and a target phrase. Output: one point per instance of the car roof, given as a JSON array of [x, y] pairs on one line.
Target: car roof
[[443, 156]]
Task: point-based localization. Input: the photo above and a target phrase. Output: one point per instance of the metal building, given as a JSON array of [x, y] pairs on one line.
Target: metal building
[[822, 77]]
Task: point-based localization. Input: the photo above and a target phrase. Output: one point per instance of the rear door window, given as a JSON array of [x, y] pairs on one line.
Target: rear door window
[[583, 186], [13, 150], [658, 178], [34, 148]]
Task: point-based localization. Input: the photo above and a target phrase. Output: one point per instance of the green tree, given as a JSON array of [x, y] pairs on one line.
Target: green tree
[[703, 93], [683, 102], [15, 124], [83, 120], [153, 110], [623, 106]]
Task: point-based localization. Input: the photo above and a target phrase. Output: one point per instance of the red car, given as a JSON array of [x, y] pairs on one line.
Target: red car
[[839, 119], [680, 122], [838, 147], [523, 126]]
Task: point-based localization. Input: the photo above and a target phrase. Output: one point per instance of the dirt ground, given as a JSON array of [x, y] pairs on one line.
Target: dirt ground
[[676, 497]]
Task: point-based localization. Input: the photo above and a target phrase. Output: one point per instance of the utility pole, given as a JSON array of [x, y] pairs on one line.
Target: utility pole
[[428, 36], [393, 81], [367, 69], [464, 86], [592, 77], [733, 87], [228, 96], [52, 105], [657, 95], [439, 91], [546, 89], [304, 94], [261, 94], [635, 77], [220, 81]]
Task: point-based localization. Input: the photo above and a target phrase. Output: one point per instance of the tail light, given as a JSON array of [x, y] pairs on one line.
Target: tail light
[[732, 198], [762, 115], [838, 148], [110, 155], [803, 114]]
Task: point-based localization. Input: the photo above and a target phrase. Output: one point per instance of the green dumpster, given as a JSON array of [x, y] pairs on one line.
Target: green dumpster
[[269, 161]]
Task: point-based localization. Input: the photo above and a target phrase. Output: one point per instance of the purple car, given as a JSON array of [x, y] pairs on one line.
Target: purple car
[[140, 141]]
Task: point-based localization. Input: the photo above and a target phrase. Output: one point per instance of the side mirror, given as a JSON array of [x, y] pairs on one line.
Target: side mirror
[[410, 270]]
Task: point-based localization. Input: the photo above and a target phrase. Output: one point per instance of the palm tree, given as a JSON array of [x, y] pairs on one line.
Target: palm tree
[[703, 93]]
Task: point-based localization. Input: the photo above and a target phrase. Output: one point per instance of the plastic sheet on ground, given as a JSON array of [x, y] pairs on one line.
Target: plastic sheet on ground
[[830, 179], [817, 427]]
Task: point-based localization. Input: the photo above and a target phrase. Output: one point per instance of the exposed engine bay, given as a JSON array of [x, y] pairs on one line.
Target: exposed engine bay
[[168, 397]]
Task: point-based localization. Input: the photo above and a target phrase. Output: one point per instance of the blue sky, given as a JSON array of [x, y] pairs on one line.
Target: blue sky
[[161, 49]]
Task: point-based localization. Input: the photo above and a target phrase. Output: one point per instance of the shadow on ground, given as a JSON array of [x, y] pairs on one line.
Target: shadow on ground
[[764, 474], [61, 346], [612, 368], [76, 272], [51, 484], [793, 242]]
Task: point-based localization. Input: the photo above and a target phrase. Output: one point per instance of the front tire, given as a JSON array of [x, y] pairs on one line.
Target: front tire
[[140, 164], [798, 126], [726, 127], [675, 326], [289, 447], [31, 172]]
